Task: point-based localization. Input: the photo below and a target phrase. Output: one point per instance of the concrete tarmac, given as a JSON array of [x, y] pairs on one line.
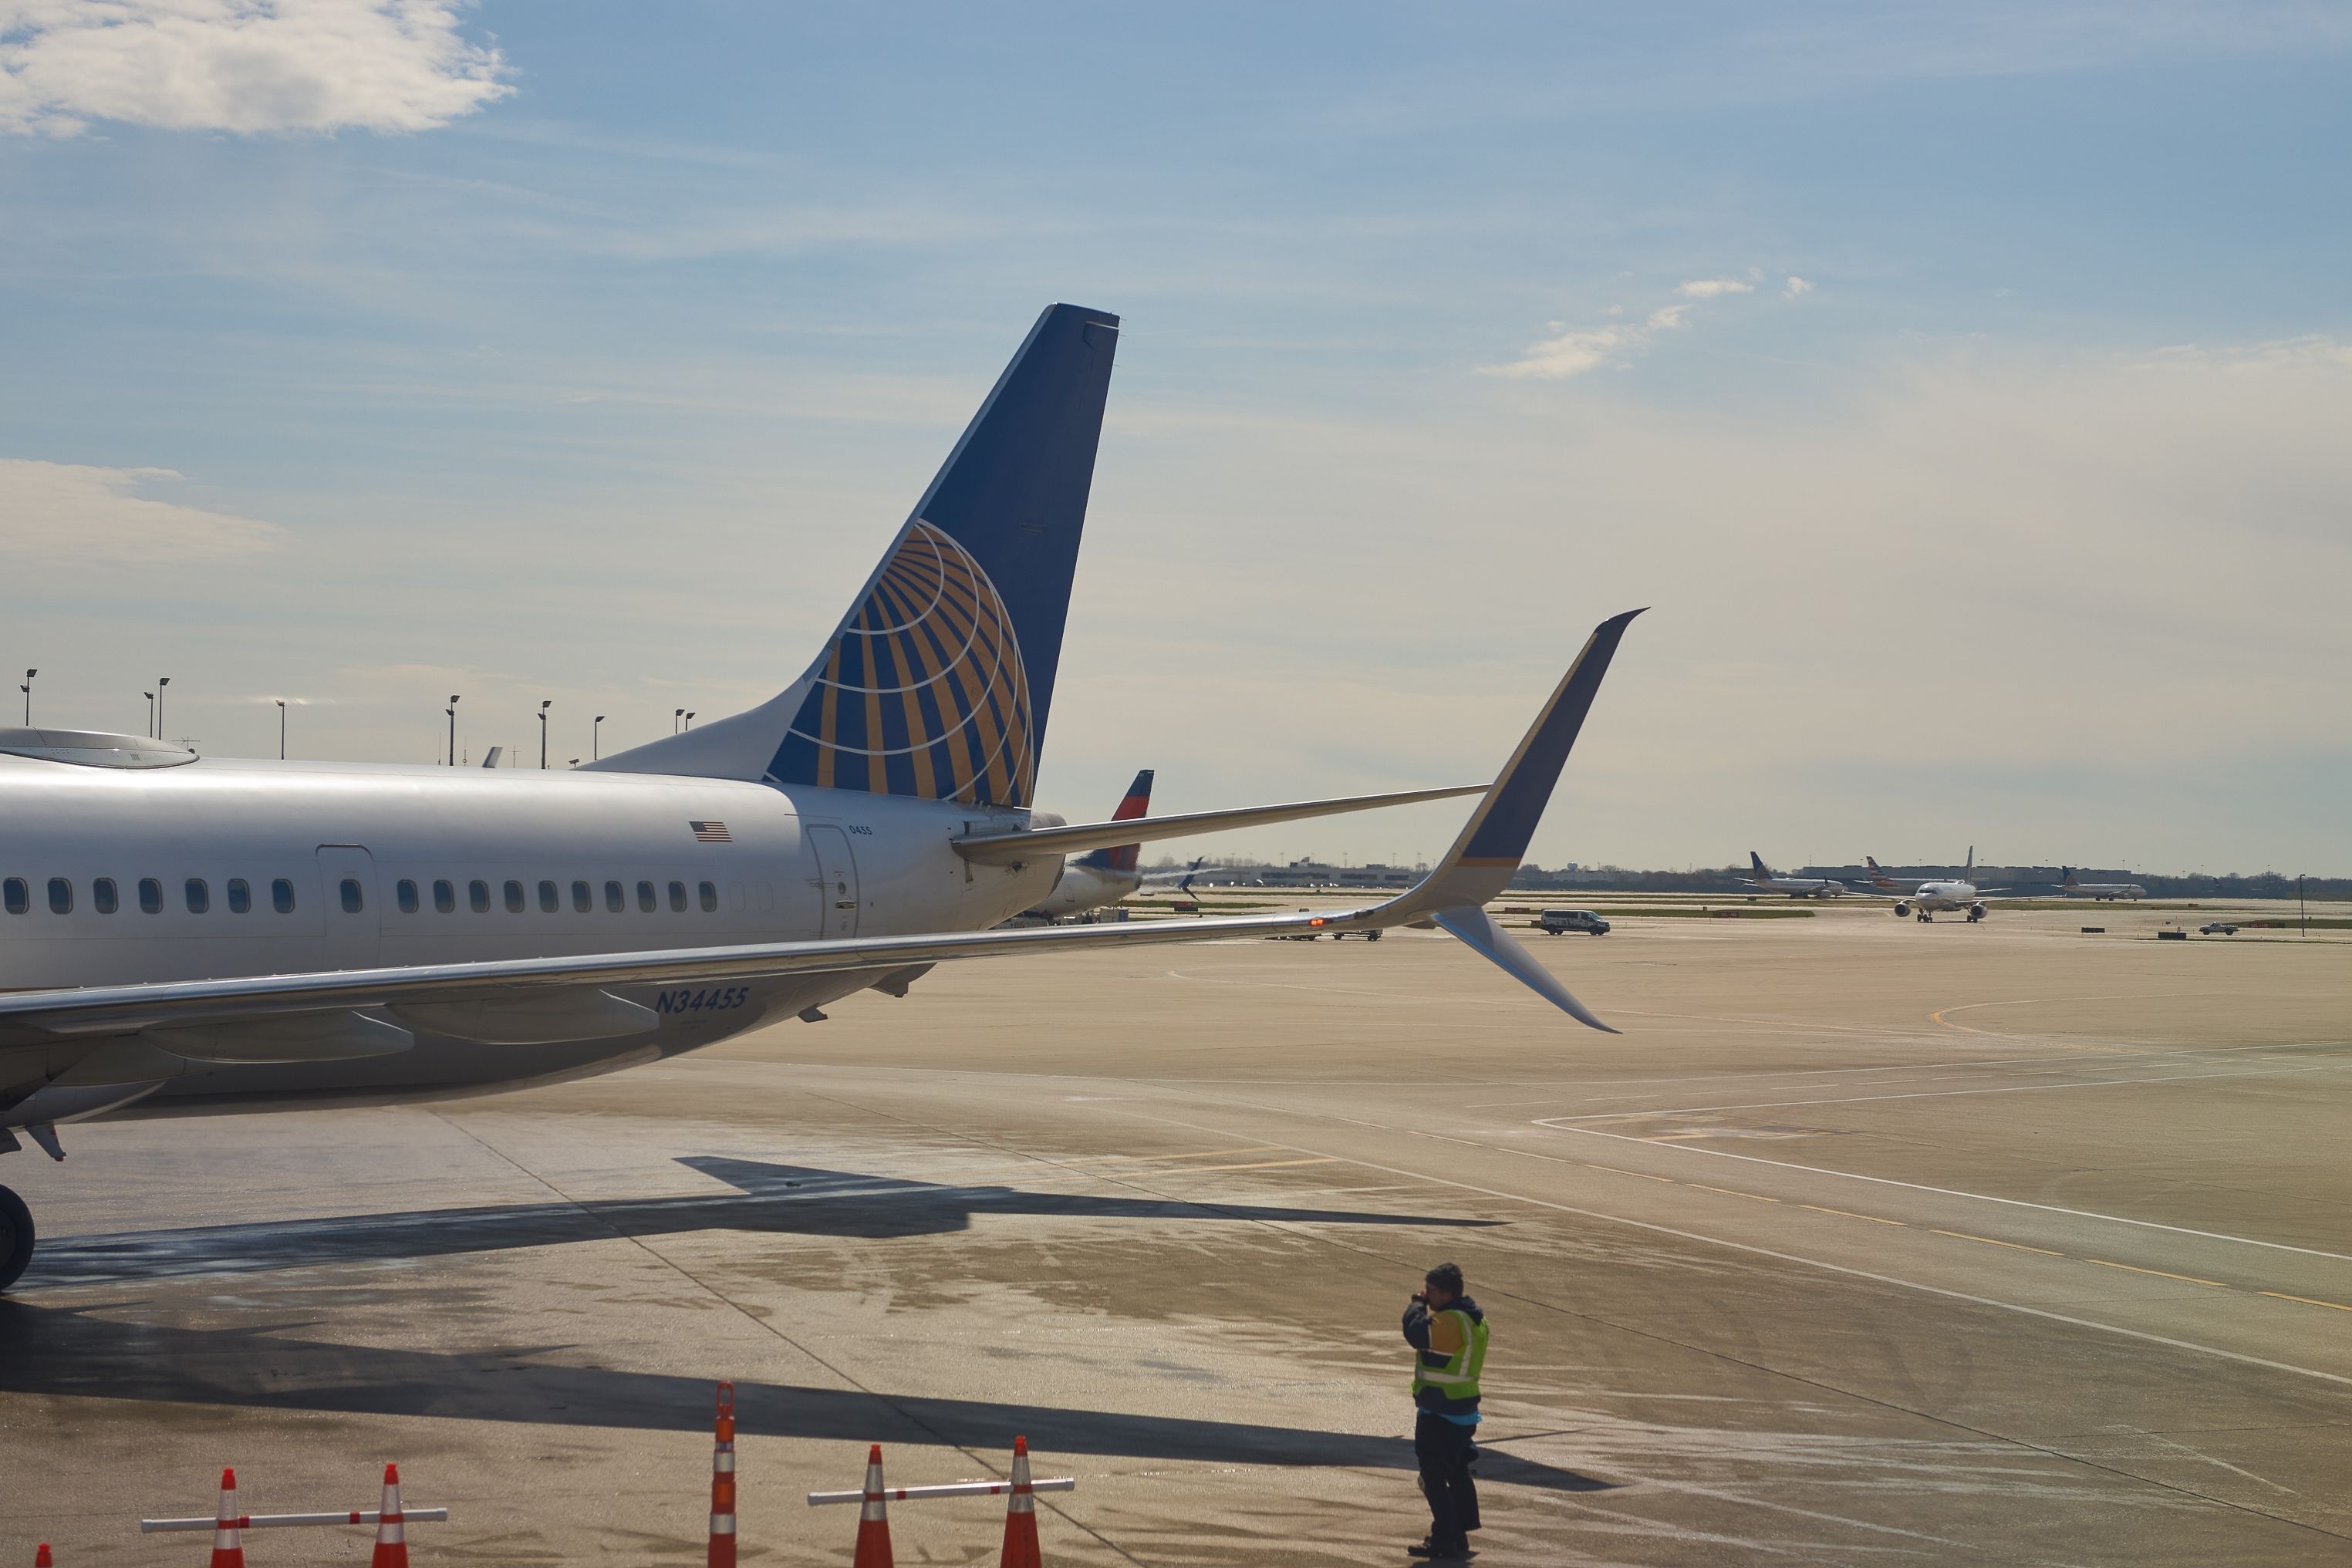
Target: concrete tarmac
[[1865, 1242]]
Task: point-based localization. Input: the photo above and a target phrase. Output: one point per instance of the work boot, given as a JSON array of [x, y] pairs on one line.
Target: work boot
[[1430, 1550]]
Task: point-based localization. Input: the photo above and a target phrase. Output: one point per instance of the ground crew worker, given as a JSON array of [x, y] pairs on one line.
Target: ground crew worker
[[1448, 1335]]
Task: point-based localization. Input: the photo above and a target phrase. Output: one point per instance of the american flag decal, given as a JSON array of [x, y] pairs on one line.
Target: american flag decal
[[711, 834]]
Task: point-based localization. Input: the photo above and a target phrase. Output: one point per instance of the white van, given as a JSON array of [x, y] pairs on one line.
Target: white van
[[1560, 922]]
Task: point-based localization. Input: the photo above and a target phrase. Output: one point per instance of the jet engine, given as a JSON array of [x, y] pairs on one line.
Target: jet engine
[[1976, 911], [1901, 910]]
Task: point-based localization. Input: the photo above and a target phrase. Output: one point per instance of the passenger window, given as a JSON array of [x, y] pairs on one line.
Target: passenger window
[[678, 897], [151, 896], [240, 896], [199, 894], [548, 902], [19, 896], [103, 895], [60, 895], [709, 898], [514, 897], [614, 899], [404, 894], [445, 896], [354, 900], [281, 897], [645, 900], [477, 894], [582, 899]]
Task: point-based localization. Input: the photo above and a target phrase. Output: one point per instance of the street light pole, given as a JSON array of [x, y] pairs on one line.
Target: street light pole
[[281, 727], [150, 711], [675, 715], [2303, 914], [596, 739], [161, 682], [543, 735], [28, 689], [690, 720], [452, 711]]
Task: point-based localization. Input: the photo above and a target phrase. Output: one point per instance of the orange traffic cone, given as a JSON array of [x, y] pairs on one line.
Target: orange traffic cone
[[874, 1518], [392, 1527], [1020, 1514], [723, 1483], [228, 1545]]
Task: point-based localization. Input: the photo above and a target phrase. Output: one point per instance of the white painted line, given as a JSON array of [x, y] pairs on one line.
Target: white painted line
[[1942, 1093], [1951, 1192]]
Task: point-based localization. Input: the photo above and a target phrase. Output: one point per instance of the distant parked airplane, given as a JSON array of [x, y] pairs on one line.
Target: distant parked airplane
[[2072, 888], [1764, 880]]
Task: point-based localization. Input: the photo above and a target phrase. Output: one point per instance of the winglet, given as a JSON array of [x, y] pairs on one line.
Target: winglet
[[1478, 928], [1492, 843], [1495, 839]]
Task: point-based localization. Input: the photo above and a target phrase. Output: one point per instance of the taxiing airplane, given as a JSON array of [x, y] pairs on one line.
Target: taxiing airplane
[[1764, 880], [2098, 890], [1937, 895], [1100, 878], [180, 933]]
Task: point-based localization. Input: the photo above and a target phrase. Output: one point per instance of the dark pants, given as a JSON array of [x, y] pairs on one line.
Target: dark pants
[[1442, 1449]]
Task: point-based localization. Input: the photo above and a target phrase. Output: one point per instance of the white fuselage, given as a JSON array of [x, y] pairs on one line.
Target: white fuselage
[[1084, 887], [1944, 897], [2105, 890], [1799, 886], [453, 865]]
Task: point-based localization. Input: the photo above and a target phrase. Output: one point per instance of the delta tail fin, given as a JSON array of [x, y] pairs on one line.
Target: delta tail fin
[[1131, 808], [938, 682]]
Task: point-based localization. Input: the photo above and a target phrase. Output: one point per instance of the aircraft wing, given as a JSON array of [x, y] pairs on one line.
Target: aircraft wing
[[1478, 866], [1007, 848]]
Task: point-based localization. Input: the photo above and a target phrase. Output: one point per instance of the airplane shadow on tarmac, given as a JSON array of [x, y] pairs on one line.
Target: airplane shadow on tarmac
[[75, 1354], [65, 1352], [794, 1199]]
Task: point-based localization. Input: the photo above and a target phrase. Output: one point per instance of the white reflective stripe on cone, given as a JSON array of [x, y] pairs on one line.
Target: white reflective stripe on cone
[[722, 1524]]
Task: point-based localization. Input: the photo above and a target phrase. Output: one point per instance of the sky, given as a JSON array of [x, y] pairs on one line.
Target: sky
[[1968, 390]]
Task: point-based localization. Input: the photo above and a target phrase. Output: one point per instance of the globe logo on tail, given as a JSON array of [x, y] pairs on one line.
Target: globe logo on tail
[[922, 693]]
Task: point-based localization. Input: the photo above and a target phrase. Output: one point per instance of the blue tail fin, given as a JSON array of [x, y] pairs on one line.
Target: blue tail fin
[[939, 681]]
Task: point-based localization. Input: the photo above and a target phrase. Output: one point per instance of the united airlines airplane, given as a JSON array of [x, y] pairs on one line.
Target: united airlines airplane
[[1764, 879], [2098, 892], [180, 933]]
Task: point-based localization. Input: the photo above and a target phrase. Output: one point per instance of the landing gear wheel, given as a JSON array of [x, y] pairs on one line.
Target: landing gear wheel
[[15, 1237]]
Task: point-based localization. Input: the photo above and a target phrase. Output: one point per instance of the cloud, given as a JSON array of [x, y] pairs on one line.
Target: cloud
[[69, 514], [251, 67], [1571, 353], [1795, 288], [1578, 350]]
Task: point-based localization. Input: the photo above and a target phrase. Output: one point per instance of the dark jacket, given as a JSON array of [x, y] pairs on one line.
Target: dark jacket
[[1416, 1334]]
